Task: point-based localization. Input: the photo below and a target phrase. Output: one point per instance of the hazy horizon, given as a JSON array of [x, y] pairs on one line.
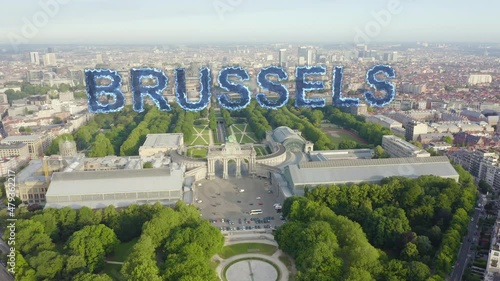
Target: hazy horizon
[[126, 22]]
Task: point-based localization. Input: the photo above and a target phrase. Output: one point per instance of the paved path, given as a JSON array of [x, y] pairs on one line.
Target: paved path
[[210, 137], [262, 238], [114, 262], [4, 274]]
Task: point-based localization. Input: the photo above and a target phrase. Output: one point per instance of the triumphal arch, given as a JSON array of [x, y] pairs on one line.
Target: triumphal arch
[[231, 151]]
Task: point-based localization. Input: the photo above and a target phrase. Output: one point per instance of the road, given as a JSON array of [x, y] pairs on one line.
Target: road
[[458, 271], [221, 132], [4, 274]]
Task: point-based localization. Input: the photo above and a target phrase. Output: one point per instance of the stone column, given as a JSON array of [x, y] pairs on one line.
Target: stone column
[[238, 168], [211, 169], [225, 174]]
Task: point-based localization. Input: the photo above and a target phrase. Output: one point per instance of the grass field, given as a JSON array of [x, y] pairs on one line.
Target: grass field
[[200, 153], [113, 271], [244, 248], [120, 255], [242, 133], [201, 135], [122, 251], [261, 151], [338, 134]]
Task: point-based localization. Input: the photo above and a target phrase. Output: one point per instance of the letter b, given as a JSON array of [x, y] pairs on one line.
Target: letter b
[[95, 91]]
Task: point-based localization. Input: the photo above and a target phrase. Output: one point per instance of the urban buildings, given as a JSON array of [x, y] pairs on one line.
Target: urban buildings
[[479, 79], [49, 59], [399, 148], [37, 144], [384, 121], [14, 149], [311, 174], [282, 58], [413, 129], [160, 143], [35, 58]]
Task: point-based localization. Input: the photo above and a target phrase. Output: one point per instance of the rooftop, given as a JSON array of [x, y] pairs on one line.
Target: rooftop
[[163, 140], [283, 133], [369, 170], [116, 181], [12, 145], [22, 138], [326, 155], [402, 143]]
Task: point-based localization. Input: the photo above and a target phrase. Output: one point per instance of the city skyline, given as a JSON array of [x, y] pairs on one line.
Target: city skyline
[[125, 22]]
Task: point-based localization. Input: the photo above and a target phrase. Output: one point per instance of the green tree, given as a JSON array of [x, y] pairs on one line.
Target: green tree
[[23, 270], [484, 187], [93, 243], [418, 271], [102, 147], [147, 165], [448, 139], [379, 152], [87, 217], [74, 264], [30, 237], [386, 226], [141, 263], [47, 264], [410, 252], [347, 144]]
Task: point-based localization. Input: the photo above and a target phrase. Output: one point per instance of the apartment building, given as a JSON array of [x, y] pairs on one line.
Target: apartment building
[[399, 148]]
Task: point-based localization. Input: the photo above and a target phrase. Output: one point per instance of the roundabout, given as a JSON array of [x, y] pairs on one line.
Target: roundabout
[[252, 257], [251, 269]]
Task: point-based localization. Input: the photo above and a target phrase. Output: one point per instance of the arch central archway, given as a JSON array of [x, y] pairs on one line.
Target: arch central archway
[[233, 155]]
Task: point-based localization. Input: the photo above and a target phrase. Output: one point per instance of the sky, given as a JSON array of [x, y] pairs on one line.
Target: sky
[[228, 21]]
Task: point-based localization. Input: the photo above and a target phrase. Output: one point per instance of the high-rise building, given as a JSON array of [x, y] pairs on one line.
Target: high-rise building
[[311, 55], [282, 58], [414, 129], [302, 55], [35, 58], [49, 59], [395, 56]]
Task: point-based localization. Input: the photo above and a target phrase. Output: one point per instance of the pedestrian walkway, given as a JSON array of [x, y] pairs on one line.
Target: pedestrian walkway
[[262, 238]]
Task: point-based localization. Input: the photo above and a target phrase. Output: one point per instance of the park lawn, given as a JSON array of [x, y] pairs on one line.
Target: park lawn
[[260, 151], [245, 248], [122, 251], [214, 264], [341, 137], [201, 128], [241, 128], [249, 138], [347, 136], [200, 141], [113, 271], [197, 152], [204, 131]]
